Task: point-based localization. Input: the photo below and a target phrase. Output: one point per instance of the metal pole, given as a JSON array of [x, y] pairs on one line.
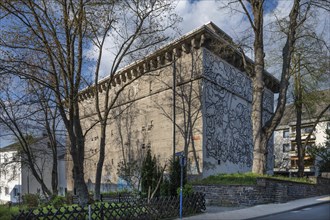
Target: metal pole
[[173, 107], [181, 184], [89, 212], [28, 181]]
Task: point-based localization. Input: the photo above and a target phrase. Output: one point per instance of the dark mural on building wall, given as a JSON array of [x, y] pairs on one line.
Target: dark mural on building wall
[[227, 93], [226, 76], [227, 101]]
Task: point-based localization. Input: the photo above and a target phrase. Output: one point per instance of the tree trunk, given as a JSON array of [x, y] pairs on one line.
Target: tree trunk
[[298, 106], [77, 150], [54, 176], [78, 176], [53, 146], [259, 153], [261, 134], [100, 162]]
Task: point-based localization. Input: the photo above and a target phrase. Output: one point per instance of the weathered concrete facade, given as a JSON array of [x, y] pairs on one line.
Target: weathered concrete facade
[[212, 108]]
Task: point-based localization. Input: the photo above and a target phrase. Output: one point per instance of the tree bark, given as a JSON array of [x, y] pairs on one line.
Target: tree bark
[[262, 133], [298, 106], [100, 162], [259, 153]]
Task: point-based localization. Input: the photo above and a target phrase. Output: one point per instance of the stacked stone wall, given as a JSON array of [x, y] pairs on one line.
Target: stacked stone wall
[[265, 191]]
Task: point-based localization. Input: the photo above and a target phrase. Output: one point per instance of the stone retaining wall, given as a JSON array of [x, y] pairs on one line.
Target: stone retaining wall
[[266, 191]]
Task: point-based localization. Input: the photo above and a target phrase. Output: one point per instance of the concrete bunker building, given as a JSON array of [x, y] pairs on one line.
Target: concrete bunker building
[[213, 96]]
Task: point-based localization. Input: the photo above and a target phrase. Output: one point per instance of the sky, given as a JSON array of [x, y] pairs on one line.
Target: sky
[[195, 13], [198, 12]]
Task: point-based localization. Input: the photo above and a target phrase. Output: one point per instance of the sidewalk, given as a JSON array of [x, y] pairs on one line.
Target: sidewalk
[[233, 213]]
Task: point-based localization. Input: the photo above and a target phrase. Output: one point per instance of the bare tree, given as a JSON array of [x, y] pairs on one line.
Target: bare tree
[[24, 117], [142, 28], [49, 121], [262, 131], [50, 51], [309, 67], [59, 35]]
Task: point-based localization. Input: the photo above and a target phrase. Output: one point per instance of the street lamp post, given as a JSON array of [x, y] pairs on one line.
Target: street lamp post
[[182, 161]]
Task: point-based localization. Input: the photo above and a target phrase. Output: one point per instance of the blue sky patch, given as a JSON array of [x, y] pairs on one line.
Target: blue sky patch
[[270, 5]]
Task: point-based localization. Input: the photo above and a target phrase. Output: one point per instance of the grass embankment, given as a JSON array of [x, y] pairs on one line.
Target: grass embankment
[[244, 179], [6, 212]]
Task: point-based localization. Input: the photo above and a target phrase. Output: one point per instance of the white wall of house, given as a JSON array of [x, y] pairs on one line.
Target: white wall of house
[[61, 170], [10, 178], [16, 179], [320, 132], [44, 163], [282, 148]]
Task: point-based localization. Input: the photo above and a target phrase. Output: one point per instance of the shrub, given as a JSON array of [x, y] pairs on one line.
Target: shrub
[[175, 175], [31, 200], [150, 173], [321, 154], [69, 198], [165, 188], [57, 201], [186, 191]]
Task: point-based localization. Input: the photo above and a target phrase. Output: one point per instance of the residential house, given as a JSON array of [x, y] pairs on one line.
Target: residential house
[[16, 177], [312, 125], [211, 103], [10, 175]]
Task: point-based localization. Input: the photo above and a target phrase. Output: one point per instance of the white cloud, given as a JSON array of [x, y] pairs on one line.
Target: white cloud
[[234, 23], [201, 12]]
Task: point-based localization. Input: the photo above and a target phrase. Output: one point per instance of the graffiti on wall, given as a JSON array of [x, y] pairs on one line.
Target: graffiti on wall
[[226, 76], [227, 110]]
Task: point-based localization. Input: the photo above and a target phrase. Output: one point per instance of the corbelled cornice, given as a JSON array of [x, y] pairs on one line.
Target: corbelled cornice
[[164, 56]]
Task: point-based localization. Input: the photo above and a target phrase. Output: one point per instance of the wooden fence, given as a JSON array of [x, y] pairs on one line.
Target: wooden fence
[[157, 208]]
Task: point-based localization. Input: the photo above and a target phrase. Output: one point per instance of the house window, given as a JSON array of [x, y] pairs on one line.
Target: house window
[[286, 147], [15, 191], [307, 130], [6, 190], [293, 163], [286, 133], [14, 169]]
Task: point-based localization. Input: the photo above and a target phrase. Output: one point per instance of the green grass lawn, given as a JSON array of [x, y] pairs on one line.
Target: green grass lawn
[[244, 179], [6, 212]]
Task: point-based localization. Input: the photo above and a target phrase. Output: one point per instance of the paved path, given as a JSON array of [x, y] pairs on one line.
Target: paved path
[[233, 213]]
